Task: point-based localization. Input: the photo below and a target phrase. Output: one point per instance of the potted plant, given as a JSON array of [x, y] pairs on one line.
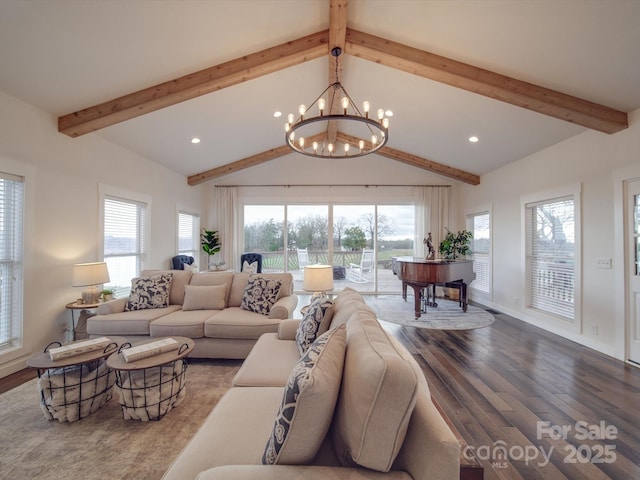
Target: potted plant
[[210, 243], [455, 244], [106, 294]]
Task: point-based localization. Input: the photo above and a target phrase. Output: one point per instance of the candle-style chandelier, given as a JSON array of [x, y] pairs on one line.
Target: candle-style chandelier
[[362, 134]]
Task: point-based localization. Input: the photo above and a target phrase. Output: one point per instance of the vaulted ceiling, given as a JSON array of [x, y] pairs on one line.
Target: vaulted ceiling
[[151, 75]]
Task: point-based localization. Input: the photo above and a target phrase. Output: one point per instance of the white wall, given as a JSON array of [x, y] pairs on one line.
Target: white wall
[[62, 180], [590, 159]]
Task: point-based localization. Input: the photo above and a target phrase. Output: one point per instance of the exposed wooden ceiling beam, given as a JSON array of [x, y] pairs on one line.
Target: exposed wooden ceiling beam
[[337, 38], [485, 82], [416, 161], [196, 84], [247, 162]]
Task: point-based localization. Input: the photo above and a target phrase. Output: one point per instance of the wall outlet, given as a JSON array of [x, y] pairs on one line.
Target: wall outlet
[[603, 263]]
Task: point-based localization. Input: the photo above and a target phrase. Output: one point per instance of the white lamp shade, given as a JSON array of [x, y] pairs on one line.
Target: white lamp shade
[[85, 274], [318, 278]]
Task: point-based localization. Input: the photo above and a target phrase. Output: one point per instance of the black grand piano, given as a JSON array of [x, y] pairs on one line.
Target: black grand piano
[[425, 275]]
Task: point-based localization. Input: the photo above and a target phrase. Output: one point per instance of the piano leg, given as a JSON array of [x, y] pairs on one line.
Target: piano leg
[[417, 296]]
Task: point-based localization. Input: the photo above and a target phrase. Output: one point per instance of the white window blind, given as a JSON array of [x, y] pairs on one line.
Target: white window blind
[[188, 234], [479, 225], [124, 241], [11, 236], [550, 235]]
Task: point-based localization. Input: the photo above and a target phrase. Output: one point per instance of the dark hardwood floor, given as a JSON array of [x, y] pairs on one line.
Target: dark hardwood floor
[[498, 384]]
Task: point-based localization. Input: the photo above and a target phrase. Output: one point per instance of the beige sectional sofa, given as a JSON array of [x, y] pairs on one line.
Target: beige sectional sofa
[[203, 306], [362, 410]]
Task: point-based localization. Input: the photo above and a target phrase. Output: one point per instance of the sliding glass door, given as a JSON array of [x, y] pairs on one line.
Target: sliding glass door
[[359, 241]]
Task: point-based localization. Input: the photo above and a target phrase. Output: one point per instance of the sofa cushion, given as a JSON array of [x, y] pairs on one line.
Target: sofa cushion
[[149, 292], [308, 402], [233, 322], [269, 363], [181, 323], [315, 321], [179, 280], [260, 294], [377, 397], [127, 323], [347, 302], [205, 297]]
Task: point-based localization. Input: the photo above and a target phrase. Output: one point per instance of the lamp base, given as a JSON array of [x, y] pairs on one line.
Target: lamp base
[[91, 295]]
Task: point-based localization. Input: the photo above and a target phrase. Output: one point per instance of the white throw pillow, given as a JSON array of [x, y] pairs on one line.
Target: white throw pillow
[[204, 297], [308, 402], [250, 267]]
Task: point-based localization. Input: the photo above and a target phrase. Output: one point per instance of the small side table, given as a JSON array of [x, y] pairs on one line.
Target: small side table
[[74, 387], [73, 306], [151, 387]]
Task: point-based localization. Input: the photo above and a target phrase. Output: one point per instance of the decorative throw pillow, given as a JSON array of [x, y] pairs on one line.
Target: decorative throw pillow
[[204, 297], [308, 402], [249, 267], [260, 294], [315, 321], [149, 292]]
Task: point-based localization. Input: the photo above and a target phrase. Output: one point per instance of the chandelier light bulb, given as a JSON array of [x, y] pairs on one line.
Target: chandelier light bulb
[[292, 136], [385, 122], [301, 142], [346, 149], [366, 106], [361, 145], [330, 147], [374, 140], [380, 114], [345, 104], [287, 127], [290, 118], [302, 109], [315, 147], [321, 104]]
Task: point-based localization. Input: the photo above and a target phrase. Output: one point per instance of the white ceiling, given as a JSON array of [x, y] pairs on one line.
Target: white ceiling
[[65, 55]]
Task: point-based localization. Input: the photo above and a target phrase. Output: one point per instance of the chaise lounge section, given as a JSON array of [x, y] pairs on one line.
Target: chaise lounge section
[[361, 409]]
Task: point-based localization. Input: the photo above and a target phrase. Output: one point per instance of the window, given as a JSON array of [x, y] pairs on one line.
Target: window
[[189, 234], [292, 236], [550, 230], [479, 224], [124, 241], [11, 233]]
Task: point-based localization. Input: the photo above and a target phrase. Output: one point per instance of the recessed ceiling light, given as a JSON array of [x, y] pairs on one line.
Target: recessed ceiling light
[[195, 140], [277, 114], [474, 139], [389, 113]]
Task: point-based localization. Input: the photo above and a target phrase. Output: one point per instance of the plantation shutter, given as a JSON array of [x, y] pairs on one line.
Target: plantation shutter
[[188, 234], [550, 232], [124, 242], [480, 246], [11, 240]]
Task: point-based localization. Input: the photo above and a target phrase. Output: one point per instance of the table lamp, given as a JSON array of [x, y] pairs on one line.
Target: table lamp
[[90, 275], [318, 279]]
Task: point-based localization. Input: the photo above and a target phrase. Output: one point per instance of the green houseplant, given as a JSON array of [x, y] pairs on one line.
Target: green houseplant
[[210, 243], [456, 245]]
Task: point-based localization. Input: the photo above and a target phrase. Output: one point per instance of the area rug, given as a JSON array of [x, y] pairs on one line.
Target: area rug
[[446, 316], [103, 445]]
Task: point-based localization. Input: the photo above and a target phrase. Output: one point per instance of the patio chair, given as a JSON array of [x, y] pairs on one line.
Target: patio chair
[[357, 272]]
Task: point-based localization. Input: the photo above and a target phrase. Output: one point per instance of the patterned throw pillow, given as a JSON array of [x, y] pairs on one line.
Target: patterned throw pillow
[[308, 402], [149, 292], [315, 321], [260, 294]]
